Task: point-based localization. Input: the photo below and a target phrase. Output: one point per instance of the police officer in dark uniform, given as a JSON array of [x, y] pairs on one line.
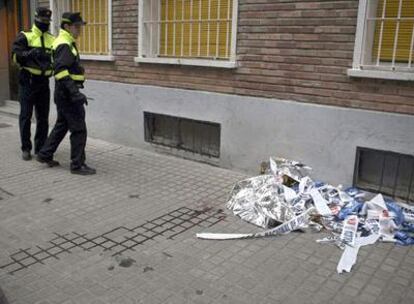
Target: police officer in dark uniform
[[69, 76], [32, 52]]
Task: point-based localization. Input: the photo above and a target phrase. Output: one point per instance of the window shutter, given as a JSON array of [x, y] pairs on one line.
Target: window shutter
[[389, 30], [207, 36], [94, 37]]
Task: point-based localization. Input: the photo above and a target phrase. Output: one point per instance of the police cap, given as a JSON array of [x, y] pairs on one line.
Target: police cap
[[72, 18], [43, 14]]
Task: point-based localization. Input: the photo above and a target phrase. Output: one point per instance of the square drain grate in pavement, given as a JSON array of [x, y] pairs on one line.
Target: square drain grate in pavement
[[117, 240]]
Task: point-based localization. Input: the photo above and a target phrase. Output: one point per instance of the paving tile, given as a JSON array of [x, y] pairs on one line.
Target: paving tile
[[132, 198]]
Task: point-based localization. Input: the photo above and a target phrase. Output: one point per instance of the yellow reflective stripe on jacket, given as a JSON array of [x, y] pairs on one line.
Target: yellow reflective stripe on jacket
[[66, 73], [15, 59], [77, 77], [37, 71], [61, 74]]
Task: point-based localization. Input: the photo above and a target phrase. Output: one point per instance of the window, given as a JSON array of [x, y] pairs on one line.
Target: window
[[386, 172], [201, 137], [384, 40], [194, 32], [95, 41]]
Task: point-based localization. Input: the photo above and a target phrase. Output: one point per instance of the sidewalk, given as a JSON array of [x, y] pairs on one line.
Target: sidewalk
[[127, 235]]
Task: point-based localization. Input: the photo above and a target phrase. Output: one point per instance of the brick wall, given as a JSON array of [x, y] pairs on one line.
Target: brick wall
[[289, 49]]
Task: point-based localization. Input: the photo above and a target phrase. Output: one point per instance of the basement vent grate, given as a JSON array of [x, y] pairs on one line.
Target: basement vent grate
[[201, 137], [386, 172]]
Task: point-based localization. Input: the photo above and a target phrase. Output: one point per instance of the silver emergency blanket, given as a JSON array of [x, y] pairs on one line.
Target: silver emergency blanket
[[295, 223], [265, 200], [260, 201], [286, 199]]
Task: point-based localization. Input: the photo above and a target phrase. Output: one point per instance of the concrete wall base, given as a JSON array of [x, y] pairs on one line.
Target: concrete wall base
[[252, 129]]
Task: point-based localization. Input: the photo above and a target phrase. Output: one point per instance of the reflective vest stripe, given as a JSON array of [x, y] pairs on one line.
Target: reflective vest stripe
[[62, 74], [37, 71], [77, 77], [66, 73]]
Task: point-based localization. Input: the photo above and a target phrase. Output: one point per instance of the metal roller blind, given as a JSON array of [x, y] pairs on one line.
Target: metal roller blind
[[393, 36], [195, 28], [94, 38]]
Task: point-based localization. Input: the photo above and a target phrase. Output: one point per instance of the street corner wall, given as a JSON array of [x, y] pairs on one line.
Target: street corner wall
[[252, 128]]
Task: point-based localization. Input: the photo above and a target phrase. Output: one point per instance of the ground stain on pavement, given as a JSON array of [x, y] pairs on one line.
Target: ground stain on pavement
[[134, 196], [124, 261], [47, 200], [182, 215], [167, 255], [199, 292], [148, 268]]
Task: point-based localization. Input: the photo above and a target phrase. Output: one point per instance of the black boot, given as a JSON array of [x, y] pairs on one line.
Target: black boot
[[83, 170], [50, 162], [26, 155]]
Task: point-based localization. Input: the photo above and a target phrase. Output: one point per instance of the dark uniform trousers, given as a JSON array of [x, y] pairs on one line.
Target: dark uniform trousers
[[34, 93], [70, 117]]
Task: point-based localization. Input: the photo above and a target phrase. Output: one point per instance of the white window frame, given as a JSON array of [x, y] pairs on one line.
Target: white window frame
[[363, 45], [230, 64], [55, 25]]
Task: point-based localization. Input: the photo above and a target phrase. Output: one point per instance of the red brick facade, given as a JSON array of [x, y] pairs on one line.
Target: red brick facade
[[287, 49]]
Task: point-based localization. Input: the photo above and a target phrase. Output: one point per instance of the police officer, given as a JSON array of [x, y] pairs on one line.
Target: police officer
[[69, 76], [32, 52]]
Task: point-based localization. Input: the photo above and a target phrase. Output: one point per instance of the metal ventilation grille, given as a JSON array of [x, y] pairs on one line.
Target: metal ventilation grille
[[385, 172], [196, 136]]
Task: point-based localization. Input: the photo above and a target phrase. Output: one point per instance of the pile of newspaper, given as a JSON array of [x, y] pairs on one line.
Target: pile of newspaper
[[287, 199]]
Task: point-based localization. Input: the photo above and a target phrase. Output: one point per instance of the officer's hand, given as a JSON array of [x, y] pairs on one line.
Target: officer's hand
[[80, 98]]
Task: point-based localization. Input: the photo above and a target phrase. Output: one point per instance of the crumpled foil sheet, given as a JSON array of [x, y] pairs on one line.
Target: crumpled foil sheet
[[260, 201], [287, 199], [290, 168]]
